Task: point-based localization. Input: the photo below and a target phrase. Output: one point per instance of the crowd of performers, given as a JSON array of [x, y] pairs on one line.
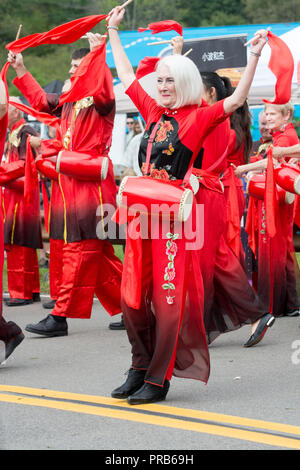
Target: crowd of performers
[[176, 295]]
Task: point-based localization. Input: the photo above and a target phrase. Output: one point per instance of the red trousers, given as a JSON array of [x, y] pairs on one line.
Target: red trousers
[[167, 338], [22, 272], [88, 268], [55, 266]]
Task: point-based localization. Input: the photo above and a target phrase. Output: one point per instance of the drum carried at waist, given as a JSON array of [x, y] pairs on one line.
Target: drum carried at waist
[[288, 178], [150, 196], [82, 166], [256, 188]]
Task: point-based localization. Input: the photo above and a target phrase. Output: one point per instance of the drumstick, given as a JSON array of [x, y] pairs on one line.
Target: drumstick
[[126, 3], [167, 41], [187, 53], [19, 32], [121, 6], [255, 37]]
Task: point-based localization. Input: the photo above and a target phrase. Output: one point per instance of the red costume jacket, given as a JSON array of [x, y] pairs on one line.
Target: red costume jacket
[[86, 127], [18, 229]]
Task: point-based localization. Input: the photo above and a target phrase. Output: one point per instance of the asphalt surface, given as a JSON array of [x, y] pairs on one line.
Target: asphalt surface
[[260, 383]]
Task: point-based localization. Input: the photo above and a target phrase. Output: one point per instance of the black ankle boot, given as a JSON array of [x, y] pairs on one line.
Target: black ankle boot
[[149, 393], [134, 381]]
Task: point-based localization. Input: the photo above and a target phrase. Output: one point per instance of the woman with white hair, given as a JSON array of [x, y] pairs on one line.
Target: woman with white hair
[[166, 332]]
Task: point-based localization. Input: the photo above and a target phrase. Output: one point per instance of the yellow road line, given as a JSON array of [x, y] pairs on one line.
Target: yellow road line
[[170, 421]]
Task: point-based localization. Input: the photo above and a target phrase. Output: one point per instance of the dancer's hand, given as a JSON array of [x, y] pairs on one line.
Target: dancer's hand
[[116, 16]]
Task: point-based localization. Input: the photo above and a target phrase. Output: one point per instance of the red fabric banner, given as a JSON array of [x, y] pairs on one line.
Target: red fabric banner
[[63, 34], [161, 26], [233, 217], [88, 78], [146, 66], [4, 120], [270, 196], [31, 177], [38, 115], [281, 63]]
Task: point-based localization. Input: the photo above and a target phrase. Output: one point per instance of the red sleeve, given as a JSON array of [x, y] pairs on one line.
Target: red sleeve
[[34, 93], [144, 102], [105, 99], [210, 116]]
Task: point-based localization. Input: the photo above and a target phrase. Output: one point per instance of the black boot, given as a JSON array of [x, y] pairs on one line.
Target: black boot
[[50, 304], [149, 393], [118, 325], [18, 302], [12, 335], [49, 326], [134, 381]]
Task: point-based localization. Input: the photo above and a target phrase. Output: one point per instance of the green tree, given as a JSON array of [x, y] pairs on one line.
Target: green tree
[[272, 11]]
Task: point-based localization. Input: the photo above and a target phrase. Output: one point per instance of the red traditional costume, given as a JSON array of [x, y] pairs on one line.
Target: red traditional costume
[[234, 194], [22, 229], [229, 300], [160, 273], [88, 264], [278, 272], [10, 333]]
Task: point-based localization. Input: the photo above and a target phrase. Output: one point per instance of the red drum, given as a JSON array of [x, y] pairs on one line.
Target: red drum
[[82, 166], [288, 178], [256, 188], [155, 196], [47, 166]]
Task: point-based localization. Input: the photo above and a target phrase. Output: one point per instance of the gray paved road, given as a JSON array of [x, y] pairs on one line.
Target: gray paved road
[[260, 383]]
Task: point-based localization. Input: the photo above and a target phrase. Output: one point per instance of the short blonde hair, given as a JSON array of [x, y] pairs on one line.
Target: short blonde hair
[[283, 108], [187, 79]]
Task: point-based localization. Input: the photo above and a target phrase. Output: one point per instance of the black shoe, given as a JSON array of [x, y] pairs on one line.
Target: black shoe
[[36, 297], [264, 323], [18, 302], [50, 304], [149, 393], [118, 325], [292, 313], [12, 335], [49, 327], [134, 381]]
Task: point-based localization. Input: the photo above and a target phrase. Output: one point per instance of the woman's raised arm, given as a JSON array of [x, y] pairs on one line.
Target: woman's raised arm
[[123, 66], [240, 94]]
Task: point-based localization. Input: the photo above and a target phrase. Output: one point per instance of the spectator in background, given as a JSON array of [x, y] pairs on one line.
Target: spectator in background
[[129, 130], [132, 151], [260, 146]]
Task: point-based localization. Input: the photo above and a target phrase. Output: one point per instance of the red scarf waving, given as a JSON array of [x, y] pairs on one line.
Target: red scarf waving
[[281, 63], [146, 66], [63, 34], [161, 26], [88, 78], [46, 118]]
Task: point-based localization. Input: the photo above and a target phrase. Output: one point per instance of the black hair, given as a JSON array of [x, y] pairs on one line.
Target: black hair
[[240, 121], [80, 53], [222, 85]]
